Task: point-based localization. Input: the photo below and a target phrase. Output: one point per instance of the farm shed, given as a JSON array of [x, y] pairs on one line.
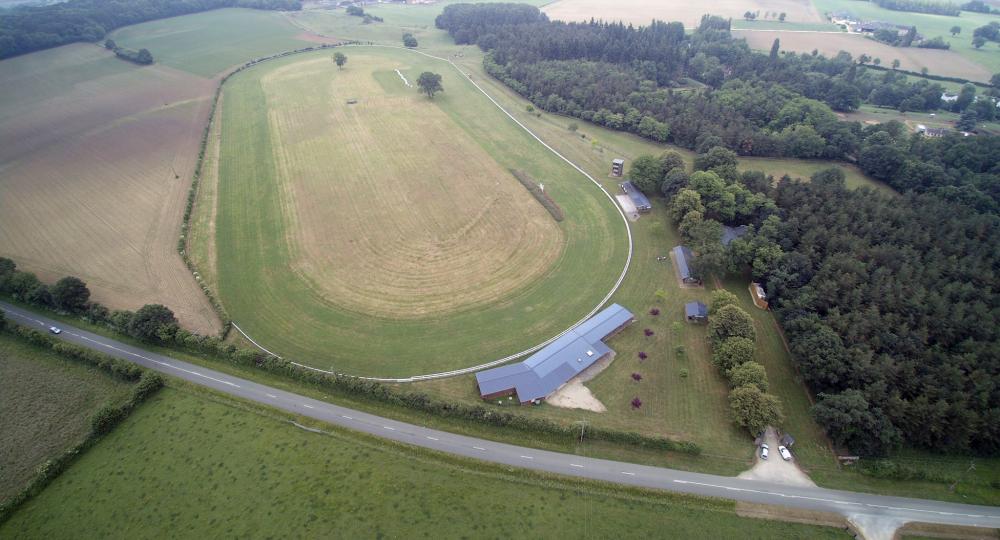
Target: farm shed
[[554, 365], [638, 198], [696, 312], [683, 257], [732, 233]]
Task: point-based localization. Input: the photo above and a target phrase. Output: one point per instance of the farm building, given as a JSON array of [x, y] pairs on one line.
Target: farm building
[[554, 365], [638, 198], [696, 312], [617, 167], [732, 233], [683, 258]]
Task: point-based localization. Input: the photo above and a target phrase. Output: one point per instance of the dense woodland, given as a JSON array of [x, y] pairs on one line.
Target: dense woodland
[[890, 304], [25, 29]]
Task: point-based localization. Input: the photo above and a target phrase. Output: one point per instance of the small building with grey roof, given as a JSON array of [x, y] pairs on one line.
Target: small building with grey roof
[[696, 312], [683, 258], [638, 197], [554, 365]]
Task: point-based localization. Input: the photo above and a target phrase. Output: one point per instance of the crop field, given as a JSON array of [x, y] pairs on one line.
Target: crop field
[[938, 62], [205, 44], [186, 466], [45, 404], [930, 26], [96, 155], [641, 12], [388, 237]]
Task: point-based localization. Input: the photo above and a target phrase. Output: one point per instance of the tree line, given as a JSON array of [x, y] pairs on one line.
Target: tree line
[[29, 28], [689, 89], [934, 7], [891, 304]]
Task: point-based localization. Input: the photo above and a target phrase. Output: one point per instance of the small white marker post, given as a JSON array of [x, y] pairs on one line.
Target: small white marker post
[[541, 186]]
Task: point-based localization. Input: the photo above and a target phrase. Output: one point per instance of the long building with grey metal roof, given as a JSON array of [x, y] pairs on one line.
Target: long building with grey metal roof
[[554, 365]]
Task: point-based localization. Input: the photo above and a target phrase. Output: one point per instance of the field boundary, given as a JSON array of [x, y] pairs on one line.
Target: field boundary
[[471, 369]]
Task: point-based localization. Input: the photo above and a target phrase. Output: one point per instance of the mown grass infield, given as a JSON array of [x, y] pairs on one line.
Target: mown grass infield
[[387, 237], [187, 466]]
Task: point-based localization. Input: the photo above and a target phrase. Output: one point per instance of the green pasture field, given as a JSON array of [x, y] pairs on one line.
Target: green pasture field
[[208, 43], [930, 26], [415, 19], [941, 119], [187, 465], [285, 314], [45, 405]]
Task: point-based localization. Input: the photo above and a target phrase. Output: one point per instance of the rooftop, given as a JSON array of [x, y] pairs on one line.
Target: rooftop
[[638, 198], [684, 257], [732, 233], [552, 366], [695, 309]]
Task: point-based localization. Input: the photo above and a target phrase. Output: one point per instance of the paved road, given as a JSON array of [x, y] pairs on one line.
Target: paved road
[[862, 508]]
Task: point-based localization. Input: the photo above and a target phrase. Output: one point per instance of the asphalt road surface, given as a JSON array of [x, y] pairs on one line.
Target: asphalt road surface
[[873, 511]]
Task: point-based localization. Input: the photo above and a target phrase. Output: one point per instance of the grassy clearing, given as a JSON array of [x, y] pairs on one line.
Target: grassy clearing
[[184, 465], [45, 405], [207, 43], [258, 212], [96, 158], [640, 12], [930, 26], [939, 119]]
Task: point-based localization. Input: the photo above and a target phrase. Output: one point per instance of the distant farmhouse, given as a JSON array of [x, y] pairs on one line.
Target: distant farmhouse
[[696, 312], [554, 365], [932, 132], [638, 198], [852, 23], [683, 258]]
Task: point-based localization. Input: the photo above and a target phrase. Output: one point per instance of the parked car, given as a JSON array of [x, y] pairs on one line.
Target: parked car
[[785, 454], [54, 330], [764, 451]]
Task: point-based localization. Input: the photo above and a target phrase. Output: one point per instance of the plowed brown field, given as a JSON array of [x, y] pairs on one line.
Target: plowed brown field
[[96, 157]]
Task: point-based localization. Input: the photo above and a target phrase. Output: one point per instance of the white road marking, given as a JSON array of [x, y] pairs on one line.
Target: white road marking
[[165, 364], [628, 473], [433, 438], [345, 416], [389, 428], [272, 396], [576, 465], [527, 457], [479, 448], [834, 501], [308, 406]]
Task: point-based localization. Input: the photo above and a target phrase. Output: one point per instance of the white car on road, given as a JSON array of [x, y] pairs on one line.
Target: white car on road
[[764, 449], [54, 330], [785, 454]]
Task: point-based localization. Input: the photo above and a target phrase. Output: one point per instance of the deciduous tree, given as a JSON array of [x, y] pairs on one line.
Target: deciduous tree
[[430, 83]]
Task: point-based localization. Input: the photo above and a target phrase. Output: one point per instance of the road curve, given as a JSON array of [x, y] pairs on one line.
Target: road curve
[[857, 506]]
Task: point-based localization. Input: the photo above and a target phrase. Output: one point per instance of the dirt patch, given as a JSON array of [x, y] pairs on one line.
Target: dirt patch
[[938, 62], [948, 531], [774, 469], [641, 12], [790, 515], [95, 176], [574, 395]]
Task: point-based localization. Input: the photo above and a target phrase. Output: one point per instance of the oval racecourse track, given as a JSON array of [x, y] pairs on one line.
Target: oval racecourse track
[[366, 229]]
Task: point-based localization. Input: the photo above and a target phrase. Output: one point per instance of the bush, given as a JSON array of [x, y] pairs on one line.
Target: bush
[[732, 352]]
